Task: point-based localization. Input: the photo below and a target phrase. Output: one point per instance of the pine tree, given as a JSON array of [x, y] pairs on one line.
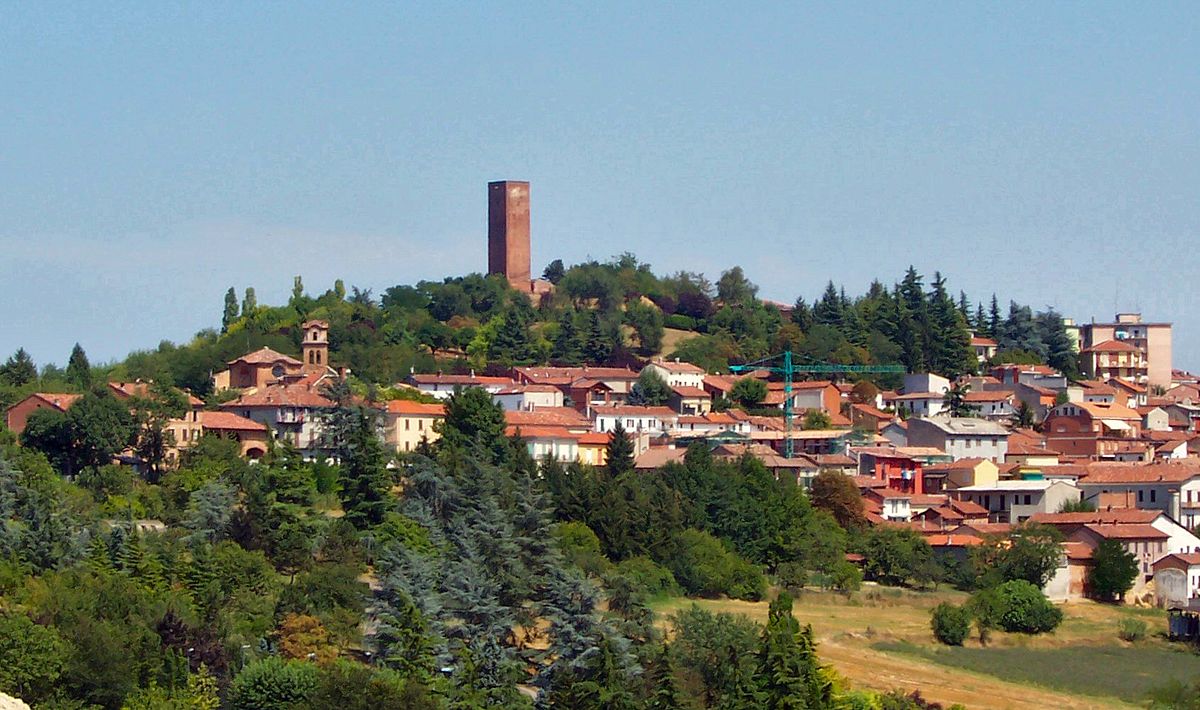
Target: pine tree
[[981, 323], [788, 674], [403, 638], [19, 369], [994, 323], [231, 310], [79, 371], [802, 315], [911, 322], [250, 302], [619, 453], [1059, 348], [964, 307], [97, 555], [598, 345], [664, 688], [828, 310], [950, 352], [568, 350], [513, 343]]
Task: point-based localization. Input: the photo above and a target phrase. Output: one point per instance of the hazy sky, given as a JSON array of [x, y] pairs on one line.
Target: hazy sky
[[151, 156]]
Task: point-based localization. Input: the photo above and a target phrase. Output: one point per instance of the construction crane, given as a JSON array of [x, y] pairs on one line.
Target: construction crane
[[789, 371]]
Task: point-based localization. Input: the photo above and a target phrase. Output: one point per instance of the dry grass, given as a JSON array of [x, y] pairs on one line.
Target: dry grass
[[672, 338], [850, 631]]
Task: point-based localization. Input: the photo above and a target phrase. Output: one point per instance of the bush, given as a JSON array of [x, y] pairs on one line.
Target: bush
[[1024, 609], [580, 546], [1131, 629], [846, 577], [272, 683], [951, 624], [679, 322], [648, 578], [791, 575], [705, 567]]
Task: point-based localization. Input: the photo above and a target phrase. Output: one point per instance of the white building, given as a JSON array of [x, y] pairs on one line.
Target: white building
[[634, 419], [961, 437], [678, 374]]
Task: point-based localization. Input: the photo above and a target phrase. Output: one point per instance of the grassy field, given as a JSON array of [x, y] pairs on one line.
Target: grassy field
[[880, 639]]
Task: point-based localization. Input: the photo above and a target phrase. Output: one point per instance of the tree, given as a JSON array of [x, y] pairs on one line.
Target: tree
[[474, 423], [297, 291], [734, 287], [365, 483], [568, 348], [1024, 609], [748, 391], [650, 390], [1077, 506], [1113, 572], [599, 340], [554, 271], [152, 416], [1025, 416], [665, 693], [272, 683], [249, 303], [230, 315], [209, 512], [836, 493], [89, 434], [1031, 552], [619, 456], [788, 674], [32, 657], [647, 323], [951, 624], [956, 401], [816, 419], [719, 649], [893, 556], [18, 370], [79, 371], [347, 685]]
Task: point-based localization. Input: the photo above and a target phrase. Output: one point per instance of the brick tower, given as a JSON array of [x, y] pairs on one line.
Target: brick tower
[[314, 349], [508, 231]]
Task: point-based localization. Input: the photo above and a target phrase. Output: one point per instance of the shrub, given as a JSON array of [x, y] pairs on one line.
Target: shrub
[[705, 567], [581, 547], [1131, 629], [791, 575], [272, 683], [646, 577], [1024, 609], [679, 322], [846, 577], [951, 624]]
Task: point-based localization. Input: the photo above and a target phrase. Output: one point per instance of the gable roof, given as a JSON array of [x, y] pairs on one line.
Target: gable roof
[[1159, 472], [228, 421], [1124, 531], [411, 408], [292, 395], [547, 416], [679, 367], [266, 356], [1111, 346]]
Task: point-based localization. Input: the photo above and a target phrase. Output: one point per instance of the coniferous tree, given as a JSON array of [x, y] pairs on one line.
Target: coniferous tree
[[650, 390], [1019, 332], [619, 453], [802, 315], [474, 423], [231, 310], [598, 343], [79, 371], [297, 290], [664, 688], [981, 323], [995, 325], [18, 370], [828, 310], [788, 674], [250, 302], [911, 321], [950, 352], [568, 349], [1059, 348]]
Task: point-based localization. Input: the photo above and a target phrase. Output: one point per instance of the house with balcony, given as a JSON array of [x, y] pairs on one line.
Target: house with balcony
[[1014, 501], [1090, 429], [960, 437], [1115, 359], [1148, 363], [1172, 487]]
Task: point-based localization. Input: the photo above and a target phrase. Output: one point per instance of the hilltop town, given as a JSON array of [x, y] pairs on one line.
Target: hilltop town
[[690, 439]]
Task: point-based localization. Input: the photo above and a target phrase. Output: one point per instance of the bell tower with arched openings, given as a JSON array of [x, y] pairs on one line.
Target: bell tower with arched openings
[[314, 350]]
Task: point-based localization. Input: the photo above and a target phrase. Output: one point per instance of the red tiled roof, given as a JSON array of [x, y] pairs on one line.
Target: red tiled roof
[[594, 438], [870, 411], [679, 367], [282, 395], [409, 407], [1140, 473], [1121, 531], [988, 396], [978, 341], [631, 410], [690, 392], [228, 421], [266, 356], [541, 432], [465, 380], [967, 507], [548, 416], [1117, 515], [141, 390], [61, 401], [953, 540], [1111, 346]]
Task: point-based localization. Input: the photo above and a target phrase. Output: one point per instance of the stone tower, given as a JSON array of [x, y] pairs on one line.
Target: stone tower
[[314, 350], [508, 231]]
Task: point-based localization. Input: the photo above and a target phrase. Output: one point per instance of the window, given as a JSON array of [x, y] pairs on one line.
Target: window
[[407, 424], [420, 425], [1028, 499], [1153, 494], [1002, 502]]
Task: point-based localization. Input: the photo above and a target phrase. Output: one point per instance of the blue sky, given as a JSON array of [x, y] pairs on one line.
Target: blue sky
[[154, 154]]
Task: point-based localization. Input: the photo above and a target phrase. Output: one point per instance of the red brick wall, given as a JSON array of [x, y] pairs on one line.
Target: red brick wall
[[508, 231]]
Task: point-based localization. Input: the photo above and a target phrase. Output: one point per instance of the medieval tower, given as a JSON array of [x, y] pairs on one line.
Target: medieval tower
[[508, 231]]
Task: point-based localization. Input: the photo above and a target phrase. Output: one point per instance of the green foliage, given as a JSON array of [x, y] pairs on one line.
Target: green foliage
[[580, 547], [1113, 571], [748, 391], [788, 673], [32, 658], [717, 650], [619, 452], [896, 556], [951, 624], [704, 567], [1030, 552], [89, 434], [645, 577], [272, 683], [816, 419], [650, 390], [1077, 506], [474, 423], [1016, 606], [352, 686], [18, 370], [647, 323], [1131, 629], [79, 370]]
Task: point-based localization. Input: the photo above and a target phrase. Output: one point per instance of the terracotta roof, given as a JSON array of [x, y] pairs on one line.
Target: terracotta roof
[[409, 407], [723, 383], [60, 401], [541, 432], [659, 456], [631, 410], [959, 465], [1122, 531], [266, 356], [1079, 551], [868, 482], [988, 396], [282, 395], [1116, 515], [315, 324], [804, 385], [1104, 410], [594, 438], [929, 499], [1119, 383], [142, 390], [967, 507], [978, 341], [1027, 450], [522, 389], [1111, 346], [887, 493], [690, 392], [679, 367], [1101, 473], [548, 416], [465, 380], [228, 421], [953, 540], [987, 528], [868, 410], [566, 375], [1188, 558], [834, 460]]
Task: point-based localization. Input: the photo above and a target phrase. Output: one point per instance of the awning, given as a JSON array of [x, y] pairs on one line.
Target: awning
[[1116, 424]]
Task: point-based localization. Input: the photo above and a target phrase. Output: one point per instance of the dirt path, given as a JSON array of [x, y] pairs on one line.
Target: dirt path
[[866, 667]]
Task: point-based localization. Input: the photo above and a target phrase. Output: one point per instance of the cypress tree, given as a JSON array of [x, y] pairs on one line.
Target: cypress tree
[[231, 310], [250, 302]]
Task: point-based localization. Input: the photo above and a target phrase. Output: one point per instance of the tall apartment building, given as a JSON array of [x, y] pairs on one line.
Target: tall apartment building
[[1104, 349]]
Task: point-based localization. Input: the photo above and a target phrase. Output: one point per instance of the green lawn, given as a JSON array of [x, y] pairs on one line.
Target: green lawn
[[1125, 672]]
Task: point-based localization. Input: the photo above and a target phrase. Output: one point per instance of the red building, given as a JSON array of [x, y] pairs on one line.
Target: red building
[[899, 470]]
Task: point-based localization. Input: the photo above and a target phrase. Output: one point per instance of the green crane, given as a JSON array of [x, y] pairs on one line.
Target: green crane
[[789, 371]]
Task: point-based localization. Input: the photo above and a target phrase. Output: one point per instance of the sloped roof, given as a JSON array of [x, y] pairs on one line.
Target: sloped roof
[[1174, 472], [294, 395], [409, 407], [1111, 346], [679, 366], [1122, 531], [228, 421], [547, 416], [1113, 516], [266, 356], [59, 400]]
